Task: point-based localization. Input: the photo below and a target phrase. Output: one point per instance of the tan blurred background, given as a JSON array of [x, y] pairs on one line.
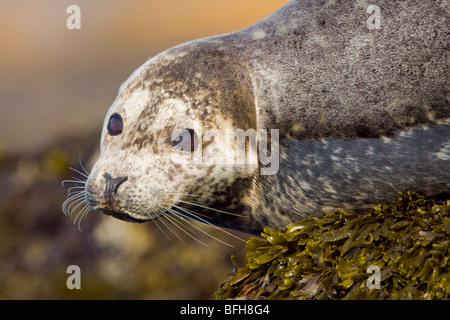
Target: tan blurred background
[[55, 88]]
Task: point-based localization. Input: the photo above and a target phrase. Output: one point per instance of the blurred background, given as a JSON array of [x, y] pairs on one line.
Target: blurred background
[[56, 85]]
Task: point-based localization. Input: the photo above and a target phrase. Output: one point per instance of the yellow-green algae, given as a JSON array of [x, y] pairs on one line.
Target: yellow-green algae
[[328, 257]]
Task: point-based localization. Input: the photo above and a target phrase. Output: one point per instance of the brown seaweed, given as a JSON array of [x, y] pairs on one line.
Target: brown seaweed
[[329, 257]]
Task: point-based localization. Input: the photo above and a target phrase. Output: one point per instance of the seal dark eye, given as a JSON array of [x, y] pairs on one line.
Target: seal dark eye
[[115, 124], [184, 139]]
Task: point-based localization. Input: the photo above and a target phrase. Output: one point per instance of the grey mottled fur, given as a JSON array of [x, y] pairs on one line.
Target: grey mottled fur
[[362, 113]]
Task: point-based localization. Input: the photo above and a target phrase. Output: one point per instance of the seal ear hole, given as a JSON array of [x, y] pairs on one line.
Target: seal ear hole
[[115, 124], [184, 139]]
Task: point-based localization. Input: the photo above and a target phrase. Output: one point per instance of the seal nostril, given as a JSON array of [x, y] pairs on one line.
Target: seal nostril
[[112, 184]]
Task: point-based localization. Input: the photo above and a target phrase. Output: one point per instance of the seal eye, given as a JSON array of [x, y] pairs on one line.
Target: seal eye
[[115, 124], [184, 139]]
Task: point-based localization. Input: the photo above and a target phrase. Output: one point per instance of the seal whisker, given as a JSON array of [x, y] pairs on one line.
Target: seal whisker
[[83, 212], [66, 205], [74, 199], [187, 220], [209, 208], [193, 215], [157, 224], [76, 196], [199, 214], [76, 187], [71, 192], [79, 202], [172, 219], [67, 208], [82, 167], [188, 223], [167, 224], [63, 207], [184, 194], [86, 175], [78, 181]]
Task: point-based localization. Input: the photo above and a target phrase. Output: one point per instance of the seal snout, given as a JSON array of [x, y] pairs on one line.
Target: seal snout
[[102, 195], [111, 186]]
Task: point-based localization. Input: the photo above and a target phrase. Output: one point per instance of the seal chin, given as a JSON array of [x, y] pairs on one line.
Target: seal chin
[[126, 216]]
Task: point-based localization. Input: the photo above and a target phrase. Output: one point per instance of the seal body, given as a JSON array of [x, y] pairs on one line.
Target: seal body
[[352, 114]]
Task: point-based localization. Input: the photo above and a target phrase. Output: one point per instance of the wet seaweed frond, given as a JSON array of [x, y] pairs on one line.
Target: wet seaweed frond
[[332, 257]]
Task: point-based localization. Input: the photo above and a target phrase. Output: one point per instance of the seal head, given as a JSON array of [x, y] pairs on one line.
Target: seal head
[[170, 112]]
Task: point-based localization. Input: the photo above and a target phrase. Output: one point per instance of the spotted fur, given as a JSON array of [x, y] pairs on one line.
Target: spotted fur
[[360, 113]]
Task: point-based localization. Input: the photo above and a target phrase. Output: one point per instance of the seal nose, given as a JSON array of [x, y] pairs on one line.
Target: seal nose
[[111, 186]]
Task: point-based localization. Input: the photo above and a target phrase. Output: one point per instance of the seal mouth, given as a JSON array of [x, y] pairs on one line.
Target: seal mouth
[[124, 216]]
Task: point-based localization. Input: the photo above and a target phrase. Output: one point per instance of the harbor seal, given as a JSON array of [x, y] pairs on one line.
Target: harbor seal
[[343, 115]]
